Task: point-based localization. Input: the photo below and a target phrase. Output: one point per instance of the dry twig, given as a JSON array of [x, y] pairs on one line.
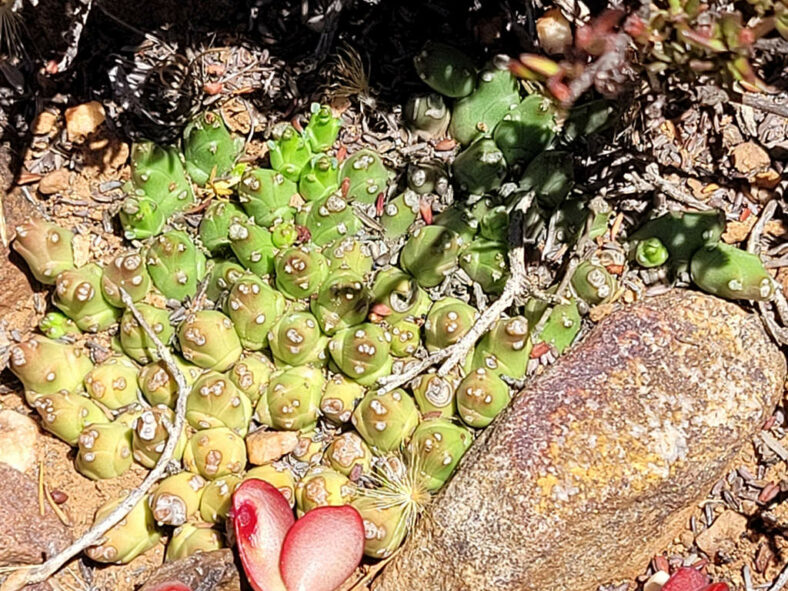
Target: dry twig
[[39, 573]]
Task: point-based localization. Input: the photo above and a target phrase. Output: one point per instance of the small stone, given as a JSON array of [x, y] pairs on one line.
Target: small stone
[[767, 179], [54, 182], [554, 32], [749, 158], [656, 581], [83, 120], [736, 231], [264, 447], [44, 123], [18, 439], [725, 529], [686, 539]]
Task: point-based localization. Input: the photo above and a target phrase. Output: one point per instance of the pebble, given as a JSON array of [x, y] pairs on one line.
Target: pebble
[[83, 120], [18, 439], [44, 123], [53, 182], [264, 447], [656, 581]]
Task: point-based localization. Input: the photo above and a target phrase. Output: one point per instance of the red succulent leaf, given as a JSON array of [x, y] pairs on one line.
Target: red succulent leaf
[[171, 586], [322, 549], [379, 203], [686, 579], [261, 519], [715, 587], [425, 209]]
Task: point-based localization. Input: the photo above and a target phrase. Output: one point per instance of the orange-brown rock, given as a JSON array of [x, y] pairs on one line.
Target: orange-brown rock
[[596, 465]]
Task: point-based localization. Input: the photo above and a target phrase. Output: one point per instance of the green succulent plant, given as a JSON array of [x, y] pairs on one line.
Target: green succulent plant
[[368, 176], [330, 219], [135, 341], [208, 147], [157, 173], [150, 434], [480, 168], [729, 272], [446, 69], [135, 534], [177, 498], [215, 225], [319, 178], [45, 366], [296, 339], [343, 301], [113, 382], [214, 401], [175, 264], [192, 538], [436, 447], [479, 112], [104, 450], [208, 339], [265, 195], [340, 396], [214, 453], [300, 271], [362, 352], [322, 486], [293, 398], [386, 421], [141, 217], [430, 254], [251, 375], [505, 349], [400, 213], [56, 325], [254, 307], [158, 385], [46, 248], [289, 152], [65, 415], [126, 271], [350, 456], [481, 396], [323, 128], [79, 296], [526, 130], [217, 498]]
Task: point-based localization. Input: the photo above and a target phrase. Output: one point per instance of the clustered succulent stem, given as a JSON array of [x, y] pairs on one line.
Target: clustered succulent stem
[[43, 571]]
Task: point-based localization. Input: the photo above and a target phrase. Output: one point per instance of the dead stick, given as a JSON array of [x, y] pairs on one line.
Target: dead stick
[[516, 285], [42, 572]]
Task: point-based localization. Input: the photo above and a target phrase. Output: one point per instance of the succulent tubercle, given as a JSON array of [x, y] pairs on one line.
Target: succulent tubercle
[[79, 296], [208, 339], [45, 366], [254, 307], [46, 248], [177, 498], [385, 421], [134, 535], [732, 273], [208, 147], [104, 450], [446, 69]]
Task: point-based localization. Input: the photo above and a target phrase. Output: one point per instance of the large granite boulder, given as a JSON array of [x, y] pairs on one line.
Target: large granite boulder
[[595, 465]]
